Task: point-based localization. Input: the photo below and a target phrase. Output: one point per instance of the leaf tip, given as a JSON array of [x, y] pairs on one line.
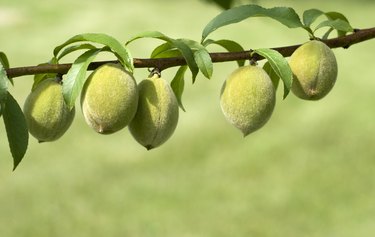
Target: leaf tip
[[182, 107]]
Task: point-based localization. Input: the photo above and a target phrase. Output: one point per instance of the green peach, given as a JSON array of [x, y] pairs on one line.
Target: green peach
[[315, 70], [47, 116], [157, 113], [109, 99], [248, 98]]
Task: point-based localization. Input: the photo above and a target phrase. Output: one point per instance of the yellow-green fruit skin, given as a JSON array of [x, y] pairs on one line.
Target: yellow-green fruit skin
[[315, 70], [109, 99], [157, 113], [248, 98], [47, 115]]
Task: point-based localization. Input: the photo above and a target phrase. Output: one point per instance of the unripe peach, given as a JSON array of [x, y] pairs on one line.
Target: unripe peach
[[315, 70], [46, 114], [248, 98], [109, 98], [157, 113]]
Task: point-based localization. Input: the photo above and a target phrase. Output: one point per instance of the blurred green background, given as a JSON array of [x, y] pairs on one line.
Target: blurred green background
[[309, 172]]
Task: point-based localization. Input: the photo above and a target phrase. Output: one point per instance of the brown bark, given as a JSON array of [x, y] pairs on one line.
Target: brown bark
[[358, 36]]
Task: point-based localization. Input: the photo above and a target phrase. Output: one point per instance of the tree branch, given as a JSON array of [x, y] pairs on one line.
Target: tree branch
[[358, 36]]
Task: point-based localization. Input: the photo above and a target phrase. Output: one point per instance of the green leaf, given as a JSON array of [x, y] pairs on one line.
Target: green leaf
[[164, 47], [42, 76], [165, 50], [337, 15], [178, 84], [204, 62], [337, 24], [185, 50], [169, 54], [115, 46], [201, 57], [76, 76], [274, 77], [4, 60], [284, 15], [326, 35], [229, 45], [188, 54], [5, 64], [74, 48], [309, 16], [335, 21], [150, 34], [193, 45], [225, 4], [280, 65], [16, 128], [3, 84], [38, 78]]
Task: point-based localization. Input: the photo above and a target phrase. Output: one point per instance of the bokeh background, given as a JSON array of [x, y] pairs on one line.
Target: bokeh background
[[309, 172]]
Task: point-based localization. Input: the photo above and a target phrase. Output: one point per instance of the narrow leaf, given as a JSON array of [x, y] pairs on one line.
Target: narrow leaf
[[230, 46], [193, 45], [74, 48], [161, 49], [3, 84], [178, 84], [169, 54], [309, 16], [165, 50], [38, 78], [4, 60], [16, 128], [149, 34], [188, 54], [185, 50], [337, 24], [326, 35], [337, 15], [280, 65], [116, 47], [42, 76], [204, 62], [5, 64], [201, 57], [284, 15], [274, 77], [76, 76], [225, 4]]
